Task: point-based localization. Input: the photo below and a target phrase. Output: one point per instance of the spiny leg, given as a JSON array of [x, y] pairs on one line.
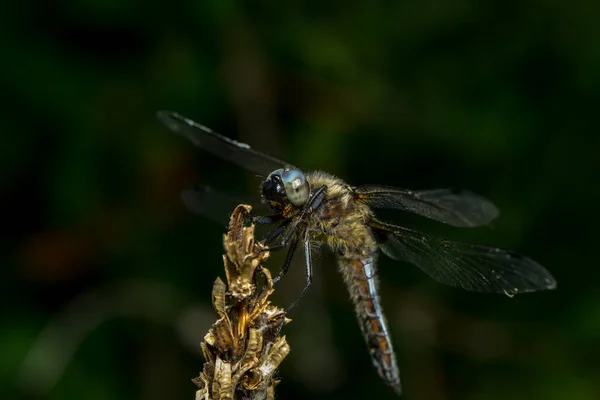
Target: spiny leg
[[274, 234], [309, 272], [315, 202], [266, 219], [288, 260], [290, 229]]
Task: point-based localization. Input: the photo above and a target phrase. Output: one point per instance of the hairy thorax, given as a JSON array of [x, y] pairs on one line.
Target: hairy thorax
[[341, 221]]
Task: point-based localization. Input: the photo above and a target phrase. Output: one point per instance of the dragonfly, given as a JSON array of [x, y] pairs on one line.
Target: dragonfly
[[312, 208]]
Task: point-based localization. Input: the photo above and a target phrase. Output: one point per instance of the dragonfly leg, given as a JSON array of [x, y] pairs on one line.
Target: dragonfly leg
[[288, 260], [309, 272], [291, 240], [266, 219], [315, 202], [274, 234], [287, 237]]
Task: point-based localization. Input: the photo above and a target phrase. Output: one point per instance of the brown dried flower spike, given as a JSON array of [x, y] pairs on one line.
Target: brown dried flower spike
[[243, 348]]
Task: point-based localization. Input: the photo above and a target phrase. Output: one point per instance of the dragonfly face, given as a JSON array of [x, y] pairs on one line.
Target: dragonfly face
[[285, 186], [316, 207]]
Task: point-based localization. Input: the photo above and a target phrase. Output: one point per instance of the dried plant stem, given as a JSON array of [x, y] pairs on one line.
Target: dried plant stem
[[243, 348]]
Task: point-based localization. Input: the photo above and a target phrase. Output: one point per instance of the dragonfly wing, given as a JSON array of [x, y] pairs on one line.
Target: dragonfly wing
[[211, 203], [222, 146], [473, 267], [454, 207]]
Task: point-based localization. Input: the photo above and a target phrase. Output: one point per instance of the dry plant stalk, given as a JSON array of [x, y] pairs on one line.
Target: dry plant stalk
[[243, 348]]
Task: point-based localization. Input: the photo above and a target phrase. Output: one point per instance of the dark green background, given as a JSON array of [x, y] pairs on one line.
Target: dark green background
[[106, 278]]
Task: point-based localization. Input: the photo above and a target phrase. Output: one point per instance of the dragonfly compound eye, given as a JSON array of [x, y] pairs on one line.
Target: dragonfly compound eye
[[273, 188], [297, 188]]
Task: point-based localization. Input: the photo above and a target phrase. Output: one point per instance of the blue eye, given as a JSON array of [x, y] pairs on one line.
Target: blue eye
[[297, 188]]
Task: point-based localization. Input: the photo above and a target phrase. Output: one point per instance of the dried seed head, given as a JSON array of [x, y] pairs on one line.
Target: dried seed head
[[242, 356]]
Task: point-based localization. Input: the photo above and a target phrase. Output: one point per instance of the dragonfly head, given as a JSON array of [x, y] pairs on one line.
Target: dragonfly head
[[286, 186]]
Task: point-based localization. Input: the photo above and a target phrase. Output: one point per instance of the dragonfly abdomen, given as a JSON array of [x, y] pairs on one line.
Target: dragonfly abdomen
[[359, 275]]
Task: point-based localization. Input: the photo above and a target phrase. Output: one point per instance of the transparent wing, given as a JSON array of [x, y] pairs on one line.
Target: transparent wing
[[228, 149], [454, 207], [473, 267], [209, 203], [213, 204]]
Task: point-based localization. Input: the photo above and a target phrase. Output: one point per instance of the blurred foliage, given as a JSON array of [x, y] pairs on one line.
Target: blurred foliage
[[107, 277]]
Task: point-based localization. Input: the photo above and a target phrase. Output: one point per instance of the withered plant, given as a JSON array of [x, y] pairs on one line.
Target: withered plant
[[243, 348]]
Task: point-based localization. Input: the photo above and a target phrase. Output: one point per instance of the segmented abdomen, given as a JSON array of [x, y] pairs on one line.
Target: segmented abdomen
[[360, 278]]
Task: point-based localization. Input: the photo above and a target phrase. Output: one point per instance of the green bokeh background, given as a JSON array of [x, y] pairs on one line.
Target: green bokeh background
[[106, 277]]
